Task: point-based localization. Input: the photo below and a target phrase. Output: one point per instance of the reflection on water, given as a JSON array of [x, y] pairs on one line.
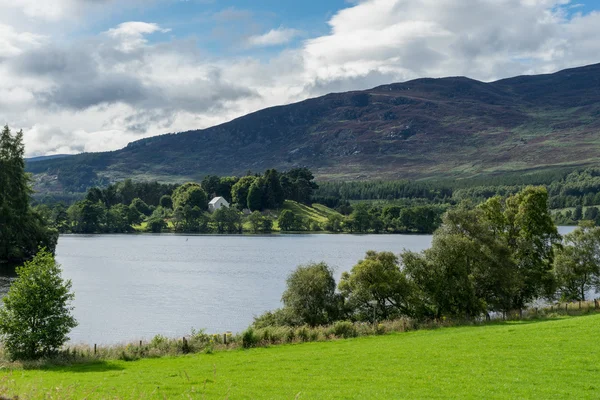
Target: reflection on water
[[130, 287], [7, 275]]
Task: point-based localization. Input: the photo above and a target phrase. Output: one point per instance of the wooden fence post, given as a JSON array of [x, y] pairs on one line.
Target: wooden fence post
[[567, 308], [95, 349], [225, 338]]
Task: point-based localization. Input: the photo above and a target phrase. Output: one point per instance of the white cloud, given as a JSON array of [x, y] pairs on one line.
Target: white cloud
[[13, 43], [275, 37], [131, 35], [100, 92]]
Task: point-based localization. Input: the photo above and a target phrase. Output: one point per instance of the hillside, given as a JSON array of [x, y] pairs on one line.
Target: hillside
[[551, 359], [449, 127]]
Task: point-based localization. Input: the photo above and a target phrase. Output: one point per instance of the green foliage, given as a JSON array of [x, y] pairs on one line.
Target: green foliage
[[334, 223], [239, 191], [287, 221], [36, 317], [310, 294], [227, 220], [577, 263], [166, 201], [156, 224], [298, 185], [279, 317], [141, 207], [376, 287], [344, 329], [255, 196], [249, 338], [190, 194], [260, 223], [22, 229]]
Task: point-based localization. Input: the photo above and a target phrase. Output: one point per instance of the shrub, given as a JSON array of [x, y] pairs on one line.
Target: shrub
[[36, 317], [303, 333], [344, 329], [249, 338]]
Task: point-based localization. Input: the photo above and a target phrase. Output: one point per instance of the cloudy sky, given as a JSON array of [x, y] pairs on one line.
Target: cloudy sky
[[93, 75]]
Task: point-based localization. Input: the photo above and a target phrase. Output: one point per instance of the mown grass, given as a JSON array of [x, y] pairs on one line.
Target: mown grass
[[550, 359], [317, 212]]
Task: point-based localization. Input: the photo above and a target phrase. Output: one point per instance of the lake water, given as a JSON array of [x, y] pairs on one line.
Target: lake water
[[131, 287]]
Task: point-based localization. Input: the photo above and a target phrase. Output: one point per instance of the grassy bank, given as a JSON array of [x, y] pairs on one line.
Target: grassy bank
[[544, 359]]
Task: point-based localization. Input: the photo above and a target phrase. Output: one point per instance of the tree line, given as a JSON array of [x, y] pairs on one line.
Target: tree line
[[154, 207], [575, 191], [495, 257]]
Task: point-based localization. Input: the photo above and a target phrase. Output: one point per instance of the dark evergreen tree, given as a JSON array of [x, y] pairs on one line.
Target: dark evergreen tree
[[22, 230]]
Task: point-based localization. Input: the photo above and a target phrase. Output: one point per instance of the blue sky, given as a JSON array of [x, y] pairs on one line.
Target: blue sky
[[218, 24], [93, 75]]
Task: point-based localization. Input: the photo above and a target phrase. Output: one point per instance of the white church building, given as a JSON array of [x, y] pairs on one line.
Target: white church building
[[217, 203]]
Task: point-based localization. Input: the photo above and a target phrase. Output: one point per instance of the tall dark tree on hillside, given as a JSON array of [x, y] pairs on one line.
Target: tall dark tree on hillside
[[274, 195], [210, 184], [298, 185], [22, 230], [225, 185], [256, 195]]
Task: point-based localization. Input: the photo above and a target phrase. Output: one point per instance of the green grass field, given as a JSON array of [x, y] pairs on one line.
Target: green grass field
[[317, 212], [550, 359]]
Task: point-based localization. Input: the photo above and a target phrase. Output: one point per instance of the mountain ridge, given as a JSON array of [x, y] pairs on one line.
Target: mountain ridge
[[450, 127]]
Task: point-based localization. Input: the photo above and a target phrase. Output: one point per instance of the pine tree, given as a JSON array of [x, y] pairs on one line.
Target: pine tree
[[22, 231]]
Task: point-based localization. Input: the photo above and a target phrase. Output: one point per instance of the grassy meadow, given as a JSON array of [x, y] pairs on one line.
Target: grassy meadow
[[557, 358]]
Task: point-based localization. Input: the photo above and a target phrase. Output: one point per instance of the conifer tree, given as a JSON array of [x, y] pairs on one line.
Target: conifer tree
[[22, 230]]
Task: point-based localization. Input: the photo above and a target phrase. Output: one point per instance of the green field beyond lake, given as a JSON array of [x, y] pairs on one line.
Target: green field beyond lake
[[546, 359]]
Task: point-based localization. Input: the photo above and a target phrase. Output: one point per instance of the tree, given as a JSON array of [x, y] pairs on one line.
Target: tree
[[156, 224], [273, 193], [298, 185], [142, 207], [239, 191], [225, 185], [210, 184], [256, 220], [166, 201], [577, 263], [86, 217], [22, 230], [578, 214], [255, 196], [334, 222], [228, 220], [310, 294], [524, 223], [287, 220], [118, 219], [378, 279], [190, 194], [361, 218], [36, 317]]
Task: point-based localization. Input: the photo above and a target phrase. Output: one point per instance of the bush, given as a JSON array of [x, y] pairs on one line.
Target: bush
[[344, 329], [249, 338], [36, 317]]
